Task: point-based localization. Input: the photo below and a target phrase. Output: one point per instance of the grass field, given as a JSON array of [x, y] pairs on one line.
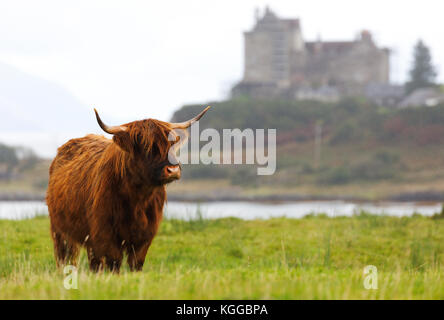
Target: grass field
[[311, 258]]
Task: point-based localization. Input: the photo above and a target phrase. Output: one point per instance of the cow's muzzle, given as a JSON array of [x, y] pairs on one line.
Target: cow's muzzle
[[171, 172]]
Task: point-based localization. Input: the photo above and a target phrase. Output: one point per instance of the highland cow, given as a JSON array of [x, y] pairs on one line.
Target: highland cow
[[108, 195]]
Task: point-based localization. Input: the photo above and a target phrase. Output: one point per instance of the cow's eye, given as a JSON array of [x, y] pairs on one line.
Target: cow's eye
[[155, 150]]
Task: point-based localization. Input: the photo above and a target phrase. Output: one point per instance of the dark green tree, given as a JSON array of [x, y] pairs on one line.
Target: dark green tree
[[423, 73], [8, 160], [8, 155]]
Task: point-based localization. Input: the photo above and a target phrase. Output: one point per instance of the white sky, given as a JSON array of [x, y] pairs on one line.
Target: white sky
[[139, 59]]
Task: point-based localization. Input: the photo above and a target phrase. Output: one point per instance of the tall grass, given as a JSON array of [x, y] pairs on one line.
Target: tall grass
[[315, 257]]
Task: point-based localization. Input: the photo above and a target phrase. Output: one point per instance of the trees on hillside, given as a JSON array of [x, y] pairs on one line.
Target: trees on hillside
[[15, 159], [422, 73], [8, 159], [8, 155]]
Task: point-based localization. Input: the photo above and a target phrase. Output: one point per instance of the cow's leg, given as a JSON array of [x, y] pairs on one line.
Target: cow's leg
[[72, 254], [113, 259], [136, 256], [95, 261], [65, 250], [105, 257], [103, 251]]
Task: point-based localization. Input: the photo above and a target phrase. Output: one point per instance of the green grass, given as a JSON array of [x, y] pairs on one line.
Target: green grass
[[311, 258]]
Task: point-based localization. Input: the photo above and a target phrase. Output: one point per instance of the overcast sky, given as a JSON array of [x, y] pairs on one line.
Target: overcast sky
[[139, 59]]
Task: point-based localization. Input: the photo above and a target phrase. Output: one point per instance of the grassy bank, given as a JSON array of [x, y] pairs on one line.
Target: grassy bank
[[309, 258]]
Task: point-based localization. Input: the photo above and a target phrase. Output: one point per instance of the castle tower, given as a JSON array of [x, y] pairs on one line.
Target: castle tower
[[269, 48]]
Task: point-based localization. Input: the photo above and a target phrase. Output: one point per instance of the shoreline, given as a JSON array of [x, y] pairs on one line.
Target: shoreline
[[428, 196]]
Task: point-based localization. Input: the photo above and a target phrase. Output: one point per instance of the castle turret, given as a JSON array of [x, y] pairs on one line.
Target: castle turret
[[269, 47]]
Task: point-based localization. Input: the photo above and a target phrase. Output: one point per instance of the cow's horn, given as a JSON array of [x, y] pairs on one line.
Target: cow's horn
[[109, 129], [186, 124]]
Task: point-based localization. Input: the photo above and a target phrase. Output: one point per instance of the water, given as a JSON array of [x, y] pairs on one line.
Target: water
[[249, 210], [17, 210]]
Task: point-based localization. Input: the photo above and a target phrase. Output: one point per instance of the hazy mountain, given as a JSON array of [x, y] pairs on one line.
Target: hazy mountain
[[32, 104], [39, 114]]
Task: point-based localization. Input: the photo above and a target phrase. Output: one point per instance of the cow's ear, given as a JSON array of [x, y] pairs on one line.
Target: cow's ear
[[123, 140]]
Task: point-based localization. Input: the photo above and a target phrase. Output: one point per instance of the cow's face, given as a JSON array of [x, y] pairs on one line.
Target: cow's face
[[152, 146], [151, 151]]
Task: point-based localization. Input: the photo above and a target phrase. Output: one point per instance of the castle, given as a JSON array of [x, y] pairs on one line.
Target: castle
[[280, 63]]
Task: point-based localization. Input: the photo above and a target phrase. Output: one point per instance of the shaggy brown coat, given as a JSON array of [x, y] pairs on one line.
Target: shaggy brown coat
[[108, 195]]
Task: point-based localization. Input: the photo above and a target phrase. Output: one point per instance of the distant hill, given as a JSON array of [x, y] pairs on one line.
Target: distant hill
[[40, 114], [365, 151], [350, 120], [32, 104]]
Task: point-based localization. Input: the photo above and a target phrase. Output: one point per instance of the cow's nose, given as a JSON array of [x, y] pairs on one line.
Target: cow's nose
[[173, 169]]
